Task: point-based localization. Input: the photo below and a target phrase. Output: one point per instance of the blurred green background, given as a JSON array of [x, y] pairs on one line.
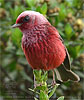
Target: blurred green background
[[15, 74]]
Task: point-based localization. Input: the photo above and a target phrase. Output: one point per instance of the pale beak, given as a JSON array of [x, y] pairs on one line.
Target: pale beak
[[16, 25]]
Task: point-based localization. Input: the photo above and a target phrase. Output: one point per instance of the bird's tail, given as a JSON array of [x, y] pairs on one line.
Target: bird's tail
[[64, 75]]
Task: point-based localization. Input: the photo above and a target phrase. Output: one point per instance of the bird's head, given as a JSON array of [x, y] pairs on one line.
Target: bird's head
[[27, 19]]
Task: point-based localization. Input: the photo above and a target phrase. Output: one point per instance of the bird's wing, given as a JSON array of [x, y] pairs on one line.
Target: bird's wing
[[66, 62], [63, 72], [65, 75]]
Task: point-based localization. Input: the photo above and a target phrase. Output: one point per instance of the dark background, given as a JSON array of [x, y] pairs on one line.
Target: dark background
[[15, 74]]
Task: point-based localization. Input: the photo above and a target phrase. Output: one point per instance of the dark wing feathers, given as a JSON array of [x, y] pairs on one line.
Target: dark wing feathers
[[63, 72], [65, 75], [66, 62]]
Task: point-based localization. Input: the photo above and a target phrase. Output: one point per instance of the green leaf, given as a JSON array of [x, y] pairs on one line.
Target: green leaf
[[61, 98], [44, 9], [74, 52], [68, 31], [61, 33], [56, 20], [38, 9], [31, 3], [32, 90], [37, 73], [35, 98], [43, 96], [76, 3], [62, 13], [2, 3], [16, 11], [44, 76], [16, 37], [53, 91], [43, 87]]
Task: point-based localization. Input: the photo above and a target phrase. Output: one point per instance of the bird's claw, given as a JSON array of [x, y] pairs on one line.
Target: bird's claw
[[53, 83], [36, 85]]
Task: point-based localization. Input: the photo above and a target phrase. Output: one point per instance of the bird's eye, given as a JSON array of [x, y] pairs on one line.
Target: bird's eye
[[26, 18]]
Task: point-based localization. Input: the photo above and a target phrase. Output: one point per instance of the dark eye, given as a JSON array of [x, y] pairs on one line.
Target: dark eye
[[26, 18]]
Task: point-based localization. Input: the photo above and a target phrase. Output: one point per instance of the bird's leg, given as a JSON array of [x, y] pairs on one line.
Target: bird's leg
[[34, 82], [53, 82]]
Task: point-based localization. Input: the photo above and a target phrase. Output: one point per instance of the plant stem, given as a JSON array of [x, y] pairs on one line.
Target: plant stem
[[41, 86]]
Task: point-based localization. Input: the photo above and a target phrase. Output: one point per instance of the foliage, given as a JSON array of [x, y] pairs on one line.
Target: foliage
[[46, 91], [15, 74]]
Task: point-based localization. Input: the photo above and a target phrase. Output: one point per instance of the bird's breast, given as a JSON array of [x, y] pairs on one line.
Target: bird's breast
[[34, 36]]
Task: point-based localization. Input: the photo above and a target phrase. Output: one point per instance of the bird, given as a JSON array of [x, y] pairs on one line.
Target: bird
[[43, 46]]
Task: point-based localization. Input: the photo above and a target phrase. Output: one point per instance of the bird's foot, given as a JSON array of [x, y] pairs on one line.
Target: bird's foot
[[36, 85], [53, 83]]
